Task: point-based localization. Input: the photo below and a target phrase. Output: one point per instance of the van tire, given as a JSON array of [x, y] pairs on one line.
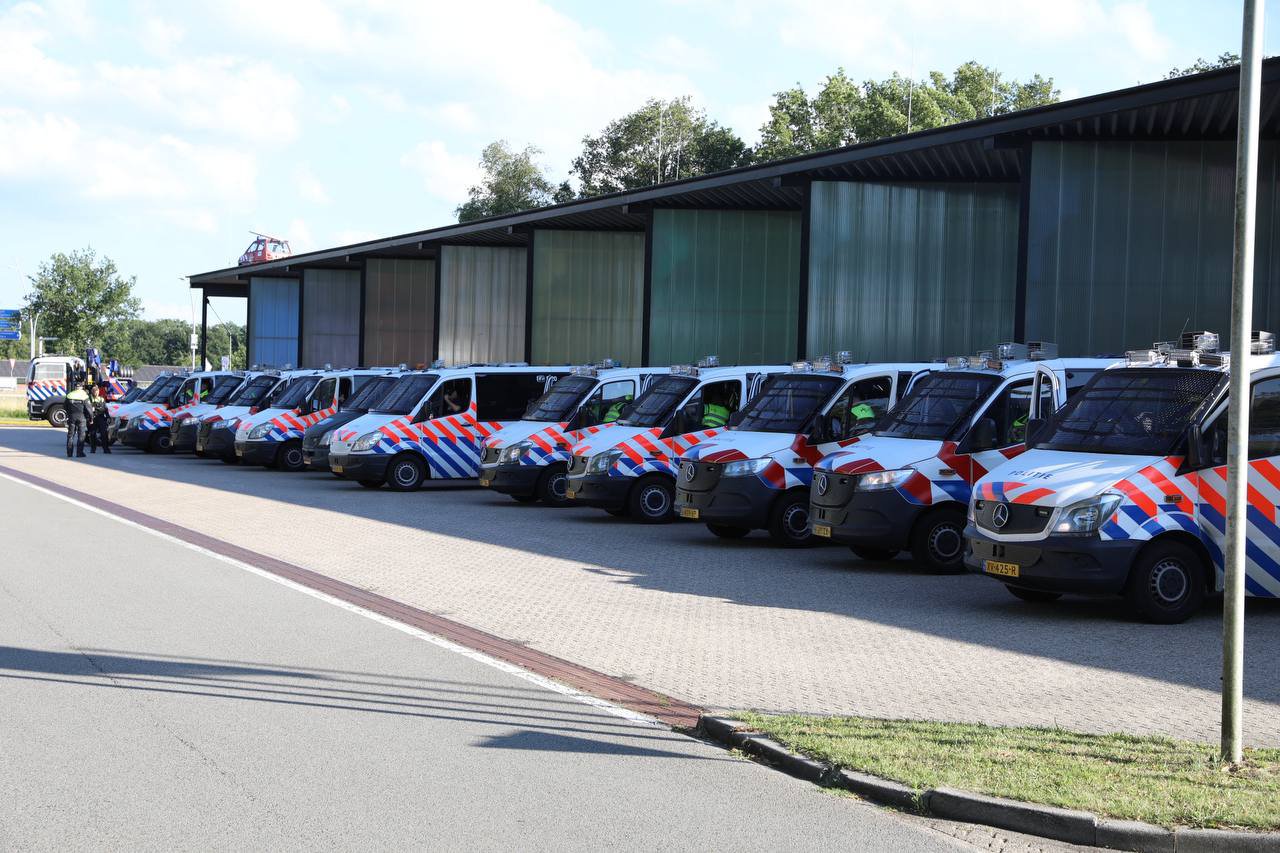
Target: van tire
[[728, 531], [160, 442], [652, 500], [1166, 584], [789, 520], [406, 473], [552, 484], [937, 542], [289, 457], [56, 415]]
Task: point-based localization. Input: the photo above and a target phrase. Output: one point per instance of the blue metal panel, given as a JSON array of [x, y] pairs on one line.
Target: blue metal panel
[[1131, 242], [907, 271], [273, 321], [330, 318]]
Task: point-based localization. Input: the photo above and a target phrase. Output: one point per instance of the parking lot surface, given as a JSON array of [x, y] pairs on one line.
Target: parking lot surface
[[724, 624]]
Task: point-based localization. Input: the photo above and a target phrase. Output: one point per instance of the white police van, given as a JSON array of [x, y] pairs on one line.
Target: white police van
[[755, 475], [1123, 490], [215, 437], [149, 430]]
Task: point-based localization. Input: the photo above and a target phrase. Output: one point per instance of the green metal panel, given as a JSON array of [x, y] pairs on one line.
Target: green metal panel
[[1131, 242], [588, 296], [482, 304], [908, 271], [399, 296], [726, 283]]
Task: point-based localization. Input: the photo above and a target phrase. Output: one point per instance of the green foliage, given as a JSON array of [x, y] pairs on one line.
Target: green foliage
[[78, 297], [134, 342], [661, 141], [845, 113], [512, 182], [1224, 60]]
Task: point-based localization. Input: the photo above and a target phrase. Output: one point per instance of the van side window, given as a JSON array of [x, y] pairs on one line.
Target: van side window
[[1264, 419], [859, 407], [1010, 411], [323, 397], [506, 396], [607, 402], [1077, 379], [451, 398], [709, 408]]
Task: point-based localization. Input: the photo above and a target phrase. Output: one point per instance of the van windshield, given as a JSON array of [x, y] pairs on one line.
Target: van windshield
[[1138, 411], [223, 392], [370, 395], [562, 400], [405, 396], [938, 406], [160, 389], [654, 407], [788, 402], [296, 394], [253, 392], [132, 394]]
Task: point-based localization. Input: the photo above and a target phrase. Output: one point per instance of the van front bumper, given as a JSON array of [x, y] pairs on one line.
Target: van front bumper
[[599, 490], [735, 501], [511, 478], [317, 458], [219, 444], [1071, 564], [360, 466], [879, 519], [137, 437], [257, 452], [183, 438]]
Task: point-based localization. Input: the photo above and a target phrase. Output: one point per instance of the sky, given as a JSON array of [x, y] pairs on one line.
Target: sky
[[160, 134]]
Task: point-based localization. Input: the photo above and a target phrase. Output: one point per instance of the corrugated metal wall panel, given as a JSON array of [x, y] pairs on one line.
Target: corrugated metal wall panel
[[330, 318], [273, 321], [1131, 242], [399, 305], [725, 282], [482, 304], [907, 271], [588, 296]]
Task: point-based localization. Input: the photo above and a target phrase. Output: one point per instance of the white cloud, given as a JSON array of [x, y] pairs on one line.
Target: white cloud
[[349, 236], [34, 145], [299, 236], [161, 36], [26, 72], [446, 176], [310, 187], [158, 309], [675, 52]]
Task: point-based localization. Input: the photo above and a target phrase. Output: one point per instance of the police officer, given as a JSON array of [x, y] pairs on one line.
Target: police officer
[[98, 429], [615, 411], [715, 414], [79, 412]]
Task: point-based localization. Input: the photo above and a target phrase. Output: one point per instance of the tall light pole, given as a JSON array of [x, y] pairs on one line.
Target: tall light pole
[[1238, 411]]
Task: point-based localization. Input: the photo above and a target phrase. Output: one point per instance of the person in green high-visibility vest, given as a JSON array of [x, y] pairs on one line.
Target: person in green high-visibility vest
[[715, 414], [616, 409]]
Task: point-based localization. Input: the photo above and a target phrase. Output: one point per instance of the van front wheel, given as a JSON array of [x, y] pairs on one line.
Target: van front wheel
[[1166, 583], [406, 473]]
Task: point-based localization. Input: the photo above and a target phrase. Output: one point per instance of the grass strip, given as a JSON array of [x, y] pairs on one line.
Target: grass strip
[[1155, 779]]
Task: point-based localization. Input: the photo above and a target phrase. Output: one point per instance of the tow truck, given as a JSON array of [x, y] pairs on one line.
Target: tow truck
[[215, 437], [1123, 490], [433, 423], [149, 429], [273, 437], [316, 438], [529, 460], [755, 475], [629, 468], [906, 485]]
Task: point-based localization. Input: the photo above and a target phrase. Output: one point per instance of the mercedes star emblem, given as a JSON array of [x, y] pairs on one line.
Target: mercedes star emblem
[[821, 482], [1000, 515], [688, 472]]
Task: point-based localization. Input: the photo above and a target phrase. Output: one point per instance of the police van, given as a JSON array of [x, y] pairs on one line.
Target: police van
[[316, 438], [185, 425], [273, 437], [628, 469], [149, 429], [756, 474], [159, 389], [432, 424], [906, 485], [48, 377], [529, 460], [215, 437], [1124, 489]]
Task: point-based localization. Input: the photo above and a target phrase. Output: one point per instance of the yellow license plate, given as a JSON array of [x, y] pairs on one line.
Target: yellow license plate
[[337, 469], [1006, 570], [239, 451], [569, 493], [688, 512], [822, 530], [484, 482]]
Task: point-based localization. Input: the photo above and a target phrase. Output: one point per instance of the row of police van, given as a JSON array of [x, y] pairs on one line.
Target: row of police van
[[1050, 475]]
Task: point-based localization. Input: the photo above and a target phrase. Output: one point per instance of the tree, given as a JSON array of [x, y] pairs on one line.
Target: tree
[[661, 141], [512, 182], [1224, 60], [216, 345], [844, 112], [78, 298]]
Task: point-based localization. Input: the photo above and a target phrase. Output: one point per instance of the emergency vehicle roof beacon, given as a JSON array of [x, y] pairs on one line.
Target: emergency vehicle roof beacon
[[273, 437], [1122, 491], [215, 437], [432, 425], [756, 474], [629, 468], [906, 485], [529, 460]]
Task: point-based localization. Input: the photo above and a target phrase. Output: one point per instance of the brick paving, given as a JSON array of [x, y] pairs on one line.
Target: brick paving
[[723, 624]]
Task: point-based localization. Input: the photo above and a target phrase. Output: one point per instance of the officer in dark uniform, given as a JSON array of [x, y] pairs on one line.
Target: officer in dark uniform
[[79, 412], [98, 428]]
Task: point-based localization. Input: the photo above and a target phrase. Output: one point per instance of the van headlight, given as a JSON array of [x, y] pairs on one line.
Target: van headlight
[[365, 442], [879, 480], [1083, 518], [514, 451], [602, 462], [260, 431], [745, 467], [228, 424], [326, 439]]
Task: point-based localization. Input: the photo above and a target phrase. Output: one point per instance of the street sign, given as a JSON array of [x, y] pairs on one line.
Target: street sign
[[226, 362], [10, 328]]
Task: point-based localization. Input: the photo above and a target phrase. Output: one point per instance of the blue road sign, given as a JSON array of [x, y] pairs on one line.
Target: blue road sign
[[10, 326]]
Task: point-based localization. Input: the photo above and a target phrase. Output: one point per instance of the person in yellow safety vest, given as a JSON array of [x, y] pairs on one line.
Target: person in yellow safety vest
[[715, 415], [79, 413], [616, 409]]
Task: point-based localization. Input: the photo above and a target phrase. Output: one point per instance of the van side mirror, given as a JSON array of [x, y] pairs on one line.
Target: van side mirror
[[1034, 427], [983, 434], [1195, 448]]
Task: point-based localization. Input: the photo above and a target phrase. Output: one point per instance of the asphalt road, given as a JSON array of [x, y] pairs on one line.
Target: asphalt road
[[156, 697]]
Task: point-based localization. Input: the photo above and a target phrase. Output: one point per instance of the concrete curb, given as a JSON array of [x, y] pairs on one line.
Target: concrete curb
[[1075, 827]]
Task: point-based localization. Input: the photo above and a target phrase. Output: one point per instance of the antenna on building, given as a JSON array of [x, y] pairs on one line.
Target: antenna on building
[[911, 84]]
